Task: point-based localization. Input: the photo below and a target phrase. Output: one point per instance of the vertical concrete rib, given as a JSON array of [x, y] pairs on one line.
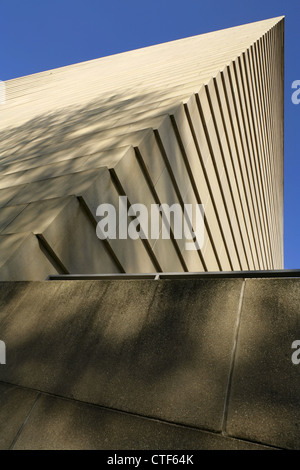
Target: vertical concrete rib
[[232, 107]]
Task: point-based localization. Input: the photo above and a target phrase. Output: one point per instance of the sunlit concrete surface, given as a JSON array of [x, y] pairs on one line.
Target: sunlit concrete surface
[[193, 121]]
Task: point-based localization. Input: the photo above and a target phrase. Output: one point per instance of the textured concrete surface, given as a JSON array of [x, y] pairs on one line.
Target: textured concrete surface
[[265, 387], [126, 340], [196, 364], [15, 404], [60, 424]]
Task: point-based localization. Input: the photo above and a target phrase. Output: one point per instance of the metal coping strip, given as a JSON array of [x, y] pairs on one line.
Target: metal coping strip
[[286, 273]]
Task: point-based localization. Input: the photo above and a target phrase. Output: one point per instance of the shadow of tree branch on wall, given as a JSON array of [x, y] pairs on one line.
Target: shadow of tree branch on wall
[[73, 127], [155, 348]]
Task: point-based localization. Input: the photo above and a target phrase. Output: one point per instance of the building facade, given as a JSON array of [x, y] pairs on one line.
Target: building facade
[[198, 121], [144, 343]]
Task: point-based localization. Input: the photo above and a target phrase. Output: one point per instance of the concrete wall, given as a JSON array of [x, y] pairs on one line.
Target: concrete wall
[[194, 121], [137, 364]]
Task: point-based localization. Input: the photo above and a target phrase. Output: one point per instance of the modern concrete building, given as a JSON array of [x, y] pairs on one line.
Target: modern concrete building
[[194, 121], [143, 344]]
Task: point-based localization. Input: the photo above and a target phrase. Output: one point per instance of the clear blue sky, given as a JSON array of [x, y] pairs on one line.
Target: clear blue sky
[[38, 35]]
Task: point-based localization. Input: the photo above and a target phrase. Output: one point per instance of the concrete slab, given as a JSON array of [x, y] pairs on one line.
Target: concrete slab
[[265, 399], [58, 424], [15, 406], [56, 187], [65, 226], [155, 348], [17, 250]]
